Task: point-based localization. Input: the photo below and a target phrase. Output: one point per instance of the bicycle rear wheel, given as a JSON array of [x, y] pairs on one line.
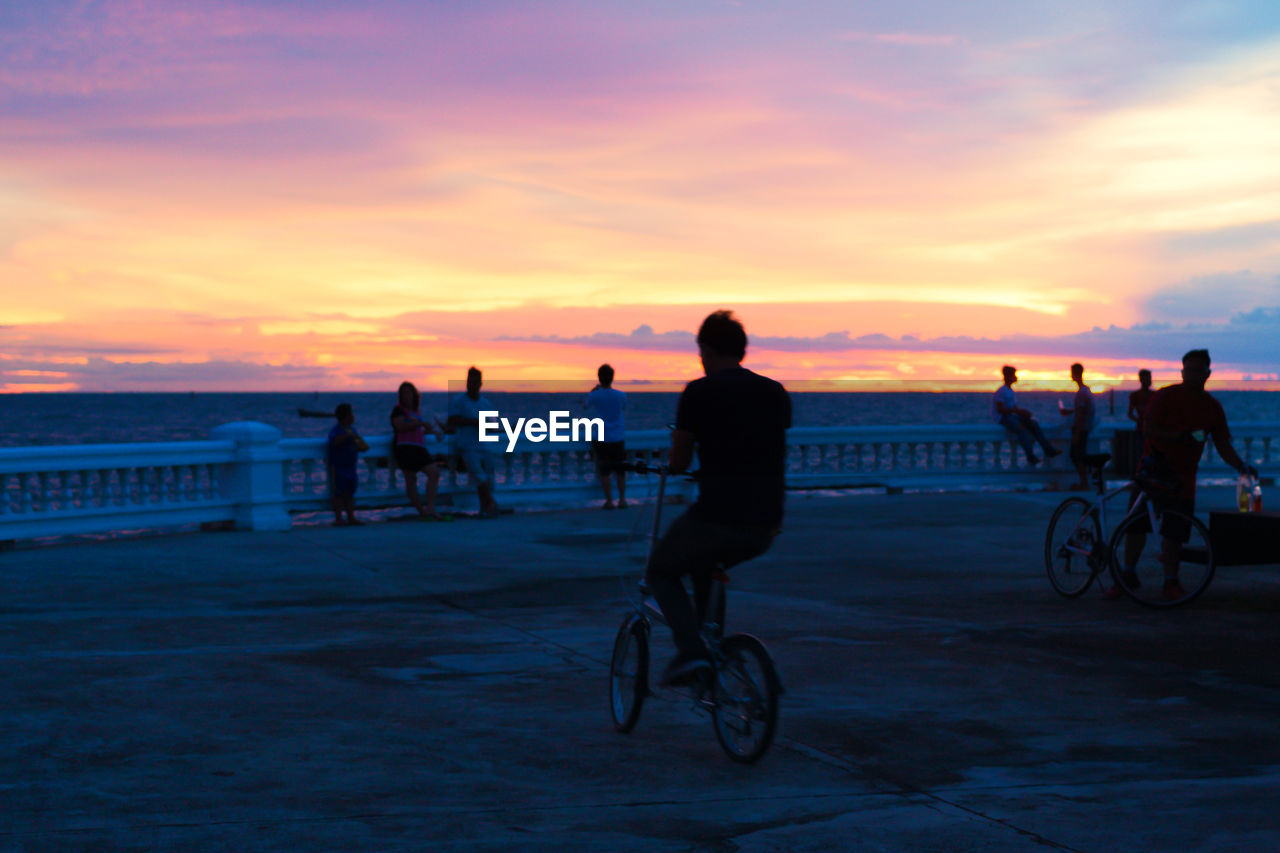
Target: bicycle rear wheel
[[1142, 575], [629, 672], [745, 713], [1073, 547]]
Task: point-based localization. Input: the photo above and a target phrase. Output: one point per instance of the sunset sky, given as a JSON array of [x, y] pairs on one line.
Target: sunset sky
[[337, 195]]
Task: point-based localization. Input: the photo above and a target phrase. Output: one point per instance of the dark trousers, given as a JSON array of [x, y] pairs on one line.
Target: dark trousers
[[695, 548], [1026, 431]]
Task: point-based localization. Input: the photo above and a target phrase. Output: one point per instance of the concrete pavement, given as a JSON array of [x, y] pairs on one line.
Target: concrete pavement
[[415, 686]]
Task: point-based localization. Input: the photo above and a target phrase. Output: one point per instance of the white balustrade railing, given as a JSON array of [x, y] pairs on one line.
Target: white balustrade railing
[[249, 476]]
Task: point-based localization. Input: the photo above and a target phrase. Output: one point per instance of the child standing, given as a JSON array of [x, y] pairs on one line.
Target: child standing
[[345, 445]]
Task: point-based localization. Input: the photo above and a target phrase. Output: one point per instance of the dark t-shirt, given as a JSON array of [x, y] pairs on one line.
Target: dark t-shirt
[[739, 420], [342, 455], [1175, 409]]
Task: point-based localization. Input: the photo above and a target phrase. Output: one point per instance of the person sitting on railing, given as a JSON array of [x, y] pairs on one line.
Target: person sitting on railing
[[345, 445], [1176, 424], [738, 421], [409, 445], [1017, 420]]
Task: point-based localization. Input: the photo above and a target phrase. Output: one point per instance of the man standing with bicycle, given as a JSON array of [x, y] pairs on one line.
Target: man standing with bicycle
[[737, 420], [1177, 421]]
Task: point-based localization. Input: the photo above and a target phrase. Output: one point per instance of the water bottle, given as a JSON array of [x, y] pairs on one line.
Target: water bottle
[[1255, 504], [1244, 493]]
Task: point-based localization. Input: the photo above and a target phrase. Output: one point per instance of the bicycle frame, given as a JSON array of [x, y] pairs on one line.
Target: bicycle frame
[[1100, 506], [711, 621]]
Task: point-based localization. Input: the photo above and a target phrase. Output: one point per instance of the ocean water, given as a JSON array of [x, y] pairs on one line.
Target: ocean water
[[51, 419]]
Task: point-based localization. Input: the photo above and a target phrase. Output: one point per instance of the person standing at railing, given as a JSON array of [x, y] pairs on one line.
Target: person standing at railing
[[1017, 420], [1083, 412], [409, 445], [609, 453], [738, 422], [1139, 400], [345, 445], [1177, 421], [464, 422]]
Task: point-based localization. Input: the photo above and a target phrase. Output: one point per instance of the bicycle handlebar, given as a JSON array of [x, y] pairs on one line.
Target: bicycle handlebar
[[640, 466]]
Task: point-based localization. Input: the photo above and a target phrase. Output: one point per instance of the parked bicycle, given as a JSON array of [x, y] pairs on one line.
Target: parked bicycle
[[741, 691], [1078, 545]]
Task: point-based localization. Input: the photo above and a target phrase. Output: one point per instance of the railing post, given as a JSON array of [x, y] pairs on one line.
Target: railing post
[[255, 481]]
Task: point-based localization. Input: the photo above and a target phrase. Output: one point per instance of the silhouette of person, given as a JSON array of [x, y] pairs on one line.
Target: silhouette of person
[[737, 420], [464, 422], [1140, 399], [1017, 420], [1178, 420], [611, 451], [344, 447], [1083, 412], [410, 449]]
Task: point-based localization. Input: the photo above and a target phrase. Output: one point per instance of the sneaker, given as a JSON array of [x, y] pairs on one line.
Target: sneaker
[[684, 670], [1173, 591], [607, 505], [1130, 580]]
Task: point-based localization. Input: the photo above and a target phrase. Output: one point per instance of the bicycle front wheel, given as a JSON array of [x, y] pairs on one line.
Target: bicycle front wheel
[[1151, 577], [1073, 547], [629, 673], [745, 713]]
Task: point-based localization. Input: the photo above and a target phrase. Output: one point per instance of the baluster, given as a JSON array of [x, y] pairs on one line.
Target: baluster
[[527, 459], [63, 495], [4, 494], [1266, 450], [42, 496]]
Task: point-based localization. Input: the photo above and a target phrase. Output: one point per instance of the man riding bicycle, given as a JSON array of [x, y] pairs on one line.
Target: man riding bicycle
[[1175, 425], [737, 420]]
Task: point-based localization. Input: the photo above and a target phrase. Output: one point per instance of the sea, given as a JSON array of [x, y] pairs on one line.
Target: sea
[[108, 418]]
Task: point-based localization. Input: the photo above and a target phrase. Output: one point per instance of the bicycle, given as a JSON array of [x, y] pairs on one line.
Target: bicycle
[[741, 691], [1077, 545]]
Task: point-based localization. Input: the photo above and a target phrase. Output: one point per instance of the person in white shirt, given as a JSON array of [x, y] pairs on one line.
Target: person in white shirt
[[611, 405], [464, 422], [1017, 420]]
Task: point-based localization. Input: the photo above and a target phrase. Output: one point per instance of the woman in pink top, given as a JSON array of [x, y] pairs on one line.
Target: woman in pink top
[[410, 448]]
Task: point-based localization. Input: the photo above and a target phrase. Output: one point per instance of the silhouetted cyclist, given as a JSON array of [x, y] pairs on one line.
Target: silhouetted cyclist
[[737, 420]]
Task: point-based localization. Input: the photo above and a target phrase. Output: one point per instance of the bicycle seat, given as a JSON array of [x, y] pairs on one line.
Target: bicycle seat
[[1097, 460]]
